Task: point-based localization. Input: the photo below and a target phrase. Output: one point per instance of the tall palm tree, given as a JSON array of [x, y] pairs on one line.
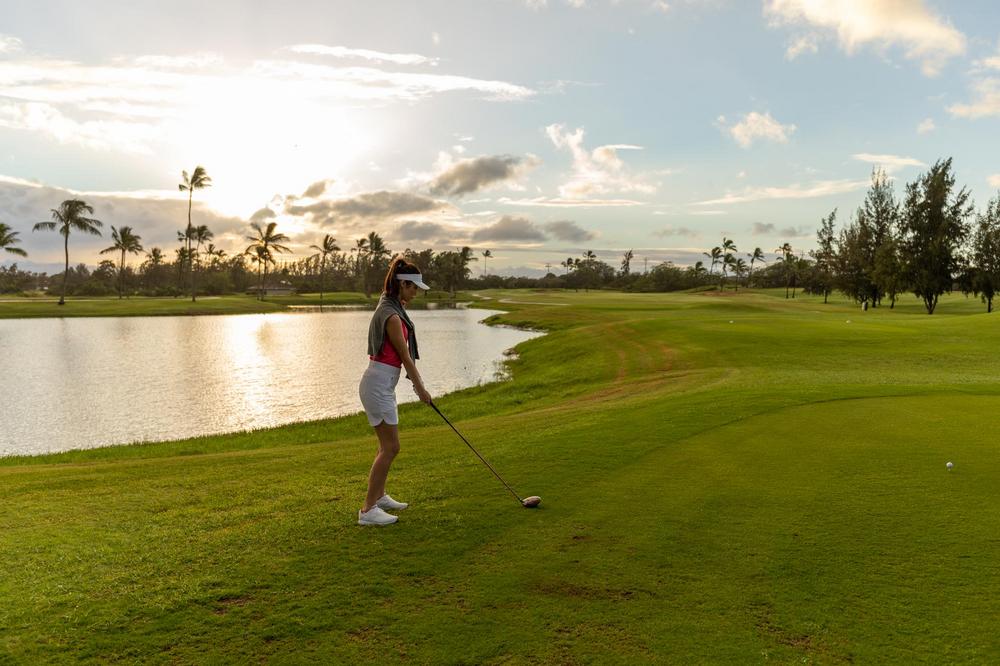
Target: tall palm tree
[[758, 255], [200, 235], [487, 254], [124, 241], [361, 261], [787, 258], [8, 237], [627, 262], [263, 247], [727, 262], [739, 267], [715, 255], [324, 250], [198, 180], [66, 218]]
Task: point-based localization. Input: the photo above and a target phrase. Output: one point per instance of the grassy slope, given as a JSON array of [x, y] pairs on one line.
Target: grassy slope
[[770, 488]]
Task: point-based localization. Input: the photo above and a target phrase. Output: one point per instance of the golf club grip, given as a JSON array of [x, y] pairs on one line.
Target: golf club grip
[[474, 451]]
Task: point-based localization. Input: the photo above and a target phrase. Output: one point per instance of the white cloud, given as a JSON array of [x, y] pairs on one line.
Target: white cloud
[[756, 126], [598, 171], [802, 44], [796, 191], [436, 38], [366, 54], [576, 4], [10, 44], [908, 24], [889, 163], [707, 212], [568, 203], [994, 180], [671, 230], [987, 102], [926, 125], [660, 6]]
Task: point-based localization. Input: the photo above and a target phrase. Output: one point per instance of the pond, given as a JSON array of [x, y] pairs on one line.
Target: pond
[[72, 383]]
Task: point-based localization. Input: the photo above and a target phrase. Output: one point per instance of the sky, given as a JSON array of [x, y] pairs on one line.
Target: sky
[[536, 129]]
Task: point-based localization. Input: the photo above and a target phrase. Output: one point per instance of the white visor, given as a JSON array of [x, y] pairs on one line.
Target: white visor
[[415, 278]]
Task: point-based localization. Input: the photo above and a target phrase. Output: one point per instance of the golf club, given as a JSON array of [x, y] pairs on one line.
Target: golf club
[[527, 502]]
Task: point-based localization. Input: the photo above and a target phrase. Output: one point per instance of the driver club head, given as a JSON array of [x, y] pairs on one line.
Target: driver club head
[[531, 502]]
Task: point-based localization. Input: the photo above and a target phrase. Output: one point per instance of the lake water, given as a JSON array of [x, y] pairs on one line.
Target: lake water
[[76, 383]]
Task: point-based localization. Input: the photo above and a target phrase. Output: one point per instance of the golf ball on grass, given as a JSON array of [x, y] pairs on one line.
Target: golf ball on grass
[[949, 465]]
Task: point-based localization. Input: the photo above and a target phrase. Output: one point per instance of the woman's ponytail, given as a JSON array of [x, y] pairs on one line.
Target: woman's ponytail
[[398, 265]]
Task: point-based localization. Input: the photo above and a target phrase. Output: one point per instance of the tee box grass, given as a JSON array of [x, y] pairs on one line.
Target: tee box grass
[[727, 478]]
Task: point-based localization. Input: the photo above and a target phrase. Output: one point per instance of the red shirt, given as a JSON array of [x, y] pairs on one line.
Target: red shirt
[[388, 353]]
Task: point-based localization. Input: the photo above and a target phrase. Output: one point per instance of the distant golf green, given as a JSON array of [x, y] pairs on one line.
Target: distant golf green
[[725, 478]]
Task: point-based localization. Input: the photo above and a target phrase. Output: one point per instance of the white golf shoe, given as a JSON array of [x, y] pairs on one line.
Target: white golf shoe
[[388, 504], [375, 516]]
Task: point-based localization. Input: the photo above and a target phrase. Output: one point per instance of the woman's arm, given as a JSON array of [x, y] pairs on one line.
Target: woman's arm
[[394, 327]]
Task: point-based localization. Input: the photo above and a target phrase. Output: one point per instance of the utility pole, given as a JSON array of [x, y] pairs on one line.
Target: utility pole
[[645, 265]]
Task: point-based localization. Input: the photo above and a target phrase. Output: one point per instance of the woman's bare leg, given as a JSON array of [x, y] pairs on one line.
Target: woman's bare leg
[[388, 449]]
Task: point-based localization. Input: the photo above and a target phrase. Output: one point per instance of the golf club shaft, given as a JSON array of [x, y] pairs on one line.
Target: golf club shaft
[[476, 452]]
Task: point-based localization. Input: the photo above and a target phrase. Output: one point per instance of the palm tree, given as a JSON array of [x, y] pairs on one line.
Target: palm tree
[[715, 255], [785, 250], [66, 218], [198, 180], [361, 263], [727, 262], [8, 238], [758, 255], [569, 264], [124, 241], [199, 235], [487, 254], [739, 267], [261, 248], [378, 256], [328, 247], [627, 262]]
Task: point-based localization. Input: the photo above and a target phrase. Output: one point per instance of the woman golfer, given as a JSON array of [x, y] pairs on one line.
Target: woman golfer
[[392, 345]]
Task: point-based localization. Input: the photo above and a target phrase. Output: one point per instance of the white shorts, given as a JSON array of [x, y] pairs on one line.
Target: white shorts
[[378, 393]]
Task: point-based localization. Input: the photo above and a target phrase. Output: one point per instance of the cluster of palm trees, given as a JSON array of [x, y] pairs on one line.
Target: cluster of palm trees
[[725, 255]]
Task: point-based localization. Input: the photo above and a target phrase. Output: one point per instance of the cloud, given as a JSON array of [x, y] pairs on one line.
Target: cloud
[[707, 212], [986, 102], [821, 188], [889, 163], [10, 44], [882, 24], [761, 228], [315, 190], [156, 216], [926, 125], [598, 171], [567, 230], [994, 180], [796, 232], [509, 228], [569, 203], [671, 230], [364, 54], [802, 44], [420, 231], [367, 207], [149, 104], [263, 215], [756, 126], [471, 175]]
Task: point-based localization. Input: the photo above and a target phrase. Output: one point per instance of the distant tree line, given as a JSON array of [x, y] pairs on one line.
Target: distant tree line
[[930, 243]]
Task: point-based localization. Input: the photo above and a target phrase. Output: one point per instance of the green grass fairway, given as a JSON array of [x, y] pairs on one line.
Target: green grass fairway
[[725, 479]]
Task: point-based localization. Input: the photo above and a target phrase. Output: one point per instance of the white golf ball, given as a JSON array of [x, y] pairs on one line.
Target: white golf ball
[[949, 465]]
